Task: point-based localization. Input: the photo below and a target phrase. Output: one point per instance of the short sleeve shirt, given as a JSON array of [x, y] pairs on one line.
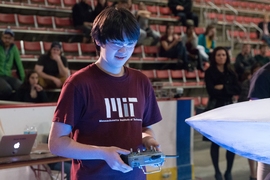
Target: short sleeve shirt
[[107, 111], [260, 83], [50, 66]]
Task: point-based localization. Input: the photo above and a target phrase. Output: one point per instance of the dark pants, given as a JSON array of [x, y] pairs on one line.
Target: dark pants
[[178, 51], [184, 16], [7, 86], [58, 167], [195, 57]]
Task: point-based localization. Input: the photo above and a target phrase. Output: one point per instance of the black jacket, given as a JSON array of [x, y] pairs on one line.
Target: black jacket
[[187, 4], [228, 79], [82, 12]]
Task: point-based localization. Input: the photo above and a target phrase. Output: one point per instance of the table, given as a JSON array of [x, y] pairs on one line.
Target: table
[[33, 159]]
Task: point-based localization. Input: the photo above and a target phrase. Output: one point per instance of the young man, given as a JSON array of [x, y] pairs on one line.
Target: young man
[[260, 89], [52, 67], [9, 57], [105, 109]]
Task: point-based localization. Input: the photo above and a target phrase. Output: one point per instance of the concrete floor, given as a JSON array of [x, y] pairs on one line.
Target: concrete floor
[[203, 166]]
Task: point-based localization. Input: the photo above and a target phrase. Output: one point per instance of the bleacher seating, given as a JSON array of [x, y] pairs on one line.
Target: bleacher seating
[[53, 18]]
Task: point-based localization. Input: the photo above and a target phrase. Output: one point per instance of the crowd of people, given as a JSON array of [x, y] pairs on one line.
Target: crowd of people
[[224, 80]]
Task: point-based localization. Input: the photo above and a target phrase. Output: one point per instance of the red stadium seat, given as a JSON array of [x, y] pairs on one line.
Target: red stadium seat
[[70, 50], [87, 51], [7, 20], [63, 22], [162, 29], [137, 54], [151, 53], [69, 3], [149, 73], [46, 46], [177, 77], [27, 20], [152, 9], [45, 21], [32, 48]]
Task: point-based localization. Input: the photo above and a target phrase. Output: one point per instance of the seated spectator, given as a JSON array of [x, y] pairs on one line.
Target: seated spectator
[[9, 58], [127, 4], [183, 9], [190, 40], [83, 17], [52, 68], [171, 46], [262, 58], [143, 18], [30, 90], [244, 61], [207, 40], [101, 4], [265, 27]]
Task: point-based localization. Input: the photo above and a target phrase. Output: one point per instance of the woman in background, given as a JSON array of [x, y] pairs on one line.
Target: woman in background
[[207, 40], [171, 46], [221, 85], [30, 90]]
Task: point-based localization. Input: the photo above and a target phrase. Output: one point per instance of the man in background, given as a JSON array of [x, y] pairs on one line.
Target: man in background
[[9, 57]]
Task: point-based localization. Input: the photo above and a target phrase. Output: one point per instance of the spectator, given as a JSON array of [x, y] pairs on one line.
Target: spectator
[[101, 5], [244, 61], [221, 85], [89, 106], [127, 4], [83, 17], [143, 18], [183, 9], [9, 57], [171, 46], [207, 40], [262, 58], [265, 27], [52, 68], [244, 97], [30, 90], [190, 40]]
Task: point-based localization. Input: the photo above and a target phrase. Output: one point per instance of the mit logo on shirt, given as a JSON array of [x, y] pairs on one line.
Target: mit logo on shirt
[[124, 106]]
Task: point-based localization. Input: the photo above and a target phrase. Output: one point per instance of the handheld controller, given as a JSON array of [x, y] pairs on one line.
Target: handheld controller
[[145, 158]]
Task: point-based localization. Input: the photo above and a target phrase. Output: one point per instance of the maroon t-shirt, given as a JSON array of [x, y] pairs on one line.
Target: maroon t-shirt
[[107, 111]]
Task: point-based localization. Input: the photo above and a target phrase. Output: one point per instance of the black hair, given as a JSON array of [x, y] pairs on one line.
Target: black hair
[[112, 24], [167, 28], [213, 58], [26, 83]]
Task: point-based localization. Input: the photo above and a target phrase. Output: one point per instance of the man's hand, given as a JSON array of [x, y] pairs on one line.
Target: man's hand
[[219, 86], [149, 142], [57, 58], [38, 88], [112, 157], [179, 8], [57, 82]]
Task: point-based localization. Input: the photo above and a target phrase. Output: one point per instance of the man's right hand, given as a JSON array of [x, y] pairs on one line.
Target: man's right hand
[[57, 82], [179, 8], [112, 156]]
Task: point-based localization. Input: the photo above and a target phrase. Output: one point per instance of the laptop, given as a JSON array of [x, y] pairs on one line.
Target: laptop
[[15, 145]]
